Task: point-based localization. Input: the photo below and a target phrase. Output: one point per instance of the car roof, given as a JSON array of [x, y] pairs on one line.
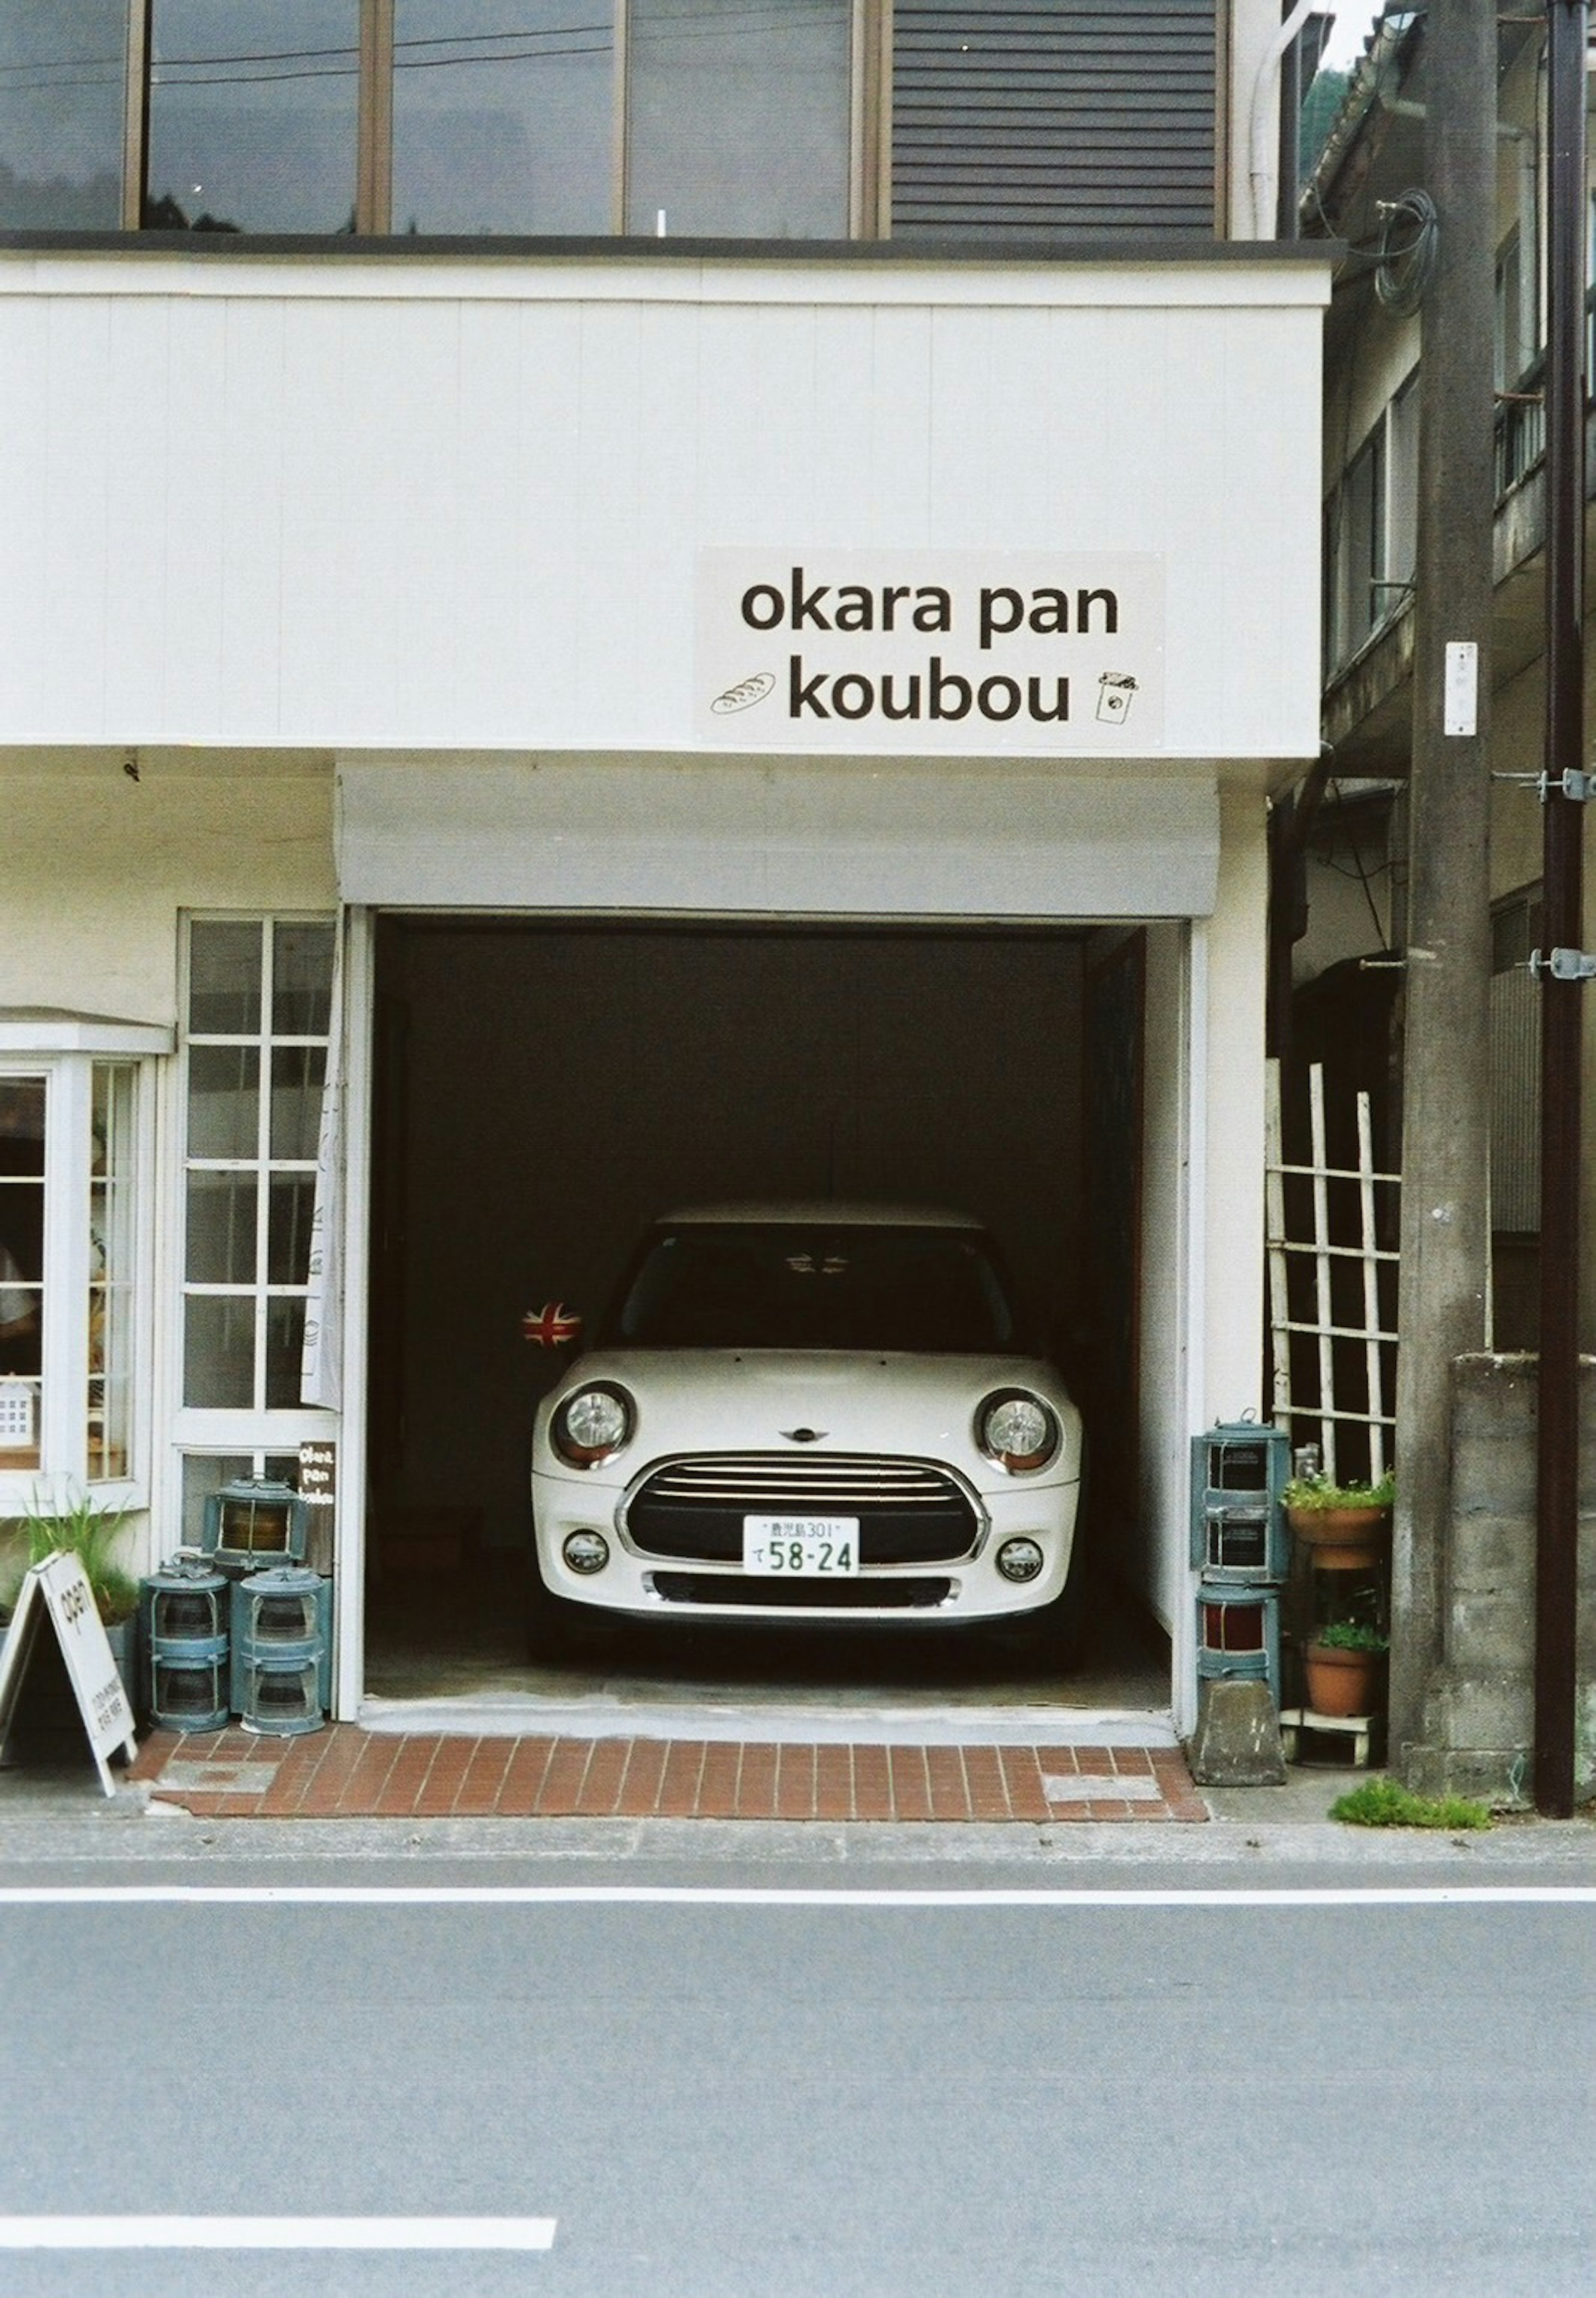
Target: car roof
[[830, 1212]]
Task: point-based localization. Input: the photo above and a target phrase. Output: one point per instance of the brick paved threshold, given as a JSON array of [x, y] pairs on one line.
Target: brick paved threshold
[[345, 1773]]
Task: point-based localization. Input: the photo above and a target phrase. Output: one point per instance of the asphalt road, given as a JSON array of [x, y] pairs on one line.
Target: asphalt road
[[795, 2082]]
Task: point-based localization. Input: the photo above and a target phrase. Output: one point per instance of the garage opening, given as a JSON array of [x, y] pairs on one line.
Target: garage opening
[[544, 1090]]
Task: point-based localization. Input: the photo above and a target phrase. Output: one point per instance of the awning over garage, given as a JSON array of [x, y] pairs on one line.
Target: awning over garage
[[790, 838]]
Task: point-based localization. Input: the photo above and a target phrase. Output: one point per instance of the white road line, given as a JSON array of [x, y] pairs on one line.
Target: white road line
[[157, 2233], [668, 1895]]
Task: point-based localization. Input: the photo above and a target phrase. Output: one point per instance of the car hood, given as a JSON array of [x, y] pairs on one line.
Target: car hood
[[725, 1399]]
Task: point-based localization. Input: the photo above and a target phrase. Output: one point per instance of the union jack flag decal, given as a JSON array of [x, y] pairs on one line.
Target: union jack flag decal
[[551, 1326]]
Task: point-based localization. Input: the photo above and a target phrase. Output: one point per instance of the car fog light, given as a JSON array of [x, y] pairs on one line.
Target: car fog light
[[1019, 1559], [586, 1553]]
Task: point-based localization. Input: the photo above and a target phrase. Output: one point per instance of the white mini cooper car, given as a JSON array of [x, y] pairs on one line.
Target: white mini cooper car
[[805, 1413]]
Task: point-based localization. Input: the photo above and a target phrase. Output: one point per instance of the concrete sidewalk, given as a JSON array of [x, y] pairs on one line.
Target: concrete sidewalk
[[52, 1815]]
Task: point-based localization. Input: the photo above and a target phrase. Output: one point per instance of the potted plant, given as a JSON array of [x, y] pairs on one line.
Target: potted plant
[[1347, 1528], [84, 1528], [1343, 1665]]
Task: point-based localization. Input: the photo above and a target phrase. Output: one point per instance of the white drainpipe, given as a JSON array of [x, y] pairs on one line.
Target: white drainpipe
[[1266, 118]]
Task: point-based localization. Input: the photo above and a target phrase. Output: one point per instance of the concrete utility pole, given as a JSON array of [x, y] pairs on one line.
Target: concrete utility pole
[[1446, 1225], [1556, 1541]]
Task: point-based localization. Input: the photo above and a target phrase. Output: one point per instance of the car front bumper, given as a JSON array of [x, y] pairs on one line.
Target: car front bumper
[[970, 1587]]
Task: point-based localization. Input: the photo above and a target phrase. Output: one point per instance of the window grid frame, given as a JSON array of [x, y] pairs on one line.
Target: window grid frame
[[868, 112], [266, 1041]]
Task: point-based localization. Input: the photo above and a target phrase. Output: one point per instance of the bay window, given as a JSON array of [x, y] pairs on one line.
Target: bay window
[[75, 1216]]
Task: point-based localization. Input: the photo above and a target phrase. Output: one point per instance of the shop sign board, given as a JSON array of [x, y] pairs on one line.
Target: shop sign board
[[319, 1473], [956, 651], [57, 1590]]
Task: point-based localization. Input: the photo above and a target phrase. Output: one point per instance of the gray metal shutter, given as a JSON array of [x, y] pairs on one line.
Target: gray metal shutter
[[1070, 119]]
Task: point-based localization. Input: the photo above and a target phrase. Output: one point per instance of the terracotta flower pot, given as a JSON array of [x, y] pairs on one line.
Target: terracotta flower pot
[[1341, 1683], [1342, 1539]]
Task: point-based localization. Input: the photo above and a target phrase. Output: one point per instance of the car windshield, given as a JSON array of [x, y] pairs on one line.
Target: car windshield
[[786, 1285]]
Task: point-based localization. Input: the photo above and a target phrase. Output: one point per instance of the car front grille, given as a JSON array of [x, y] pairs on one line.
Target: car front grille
[[738, 1591], [909, 1511]]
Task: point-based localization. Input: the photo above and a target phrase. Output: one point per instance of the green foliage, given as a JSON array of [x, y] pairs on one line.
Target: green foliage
[[87, 1530], [1386, 1803], [1316, 1493], [1352, 1635]]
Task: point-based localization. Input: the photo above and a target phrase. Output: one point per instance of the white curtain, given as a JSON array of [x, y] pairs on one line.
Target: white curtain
[[320, 1372]]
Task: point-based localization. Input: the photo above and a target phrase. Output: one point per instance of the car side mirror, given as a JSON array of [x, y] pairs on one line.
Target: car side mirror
[[551, 1326]]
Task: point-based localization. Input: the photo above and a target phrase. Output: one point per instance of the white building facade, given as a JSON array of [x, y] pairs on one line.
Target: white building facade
[[371, 597]]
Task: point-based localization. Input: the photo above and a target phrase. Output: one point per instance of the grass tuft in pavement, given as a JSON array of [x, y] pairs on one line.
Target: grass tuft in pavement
[[1386, 1803]]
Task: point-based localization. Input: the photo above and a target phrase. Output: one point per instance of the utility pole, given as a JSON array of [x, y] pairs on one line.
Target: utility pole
[[1557, 1538], [1445, 1229]]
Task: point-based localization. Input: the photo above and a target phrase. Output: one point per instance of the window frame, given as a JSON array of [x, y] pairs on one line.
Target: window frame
[[1387, 452], [257, 1427], [65, 1050], [869, 96]]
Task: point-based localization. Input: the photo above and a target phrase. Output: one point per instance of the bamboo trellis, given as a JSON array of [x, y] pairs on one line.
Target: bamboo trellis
[[1366, 1400]]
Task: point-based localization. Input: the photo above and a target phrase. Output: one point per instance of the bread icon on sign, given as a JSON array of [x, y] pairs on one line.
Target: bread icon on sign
[[744, 695]]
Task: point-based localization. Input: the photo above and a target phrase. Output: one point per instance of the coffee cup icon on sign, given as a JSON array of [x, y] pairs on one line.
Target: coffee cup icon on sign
[[1115, 689]]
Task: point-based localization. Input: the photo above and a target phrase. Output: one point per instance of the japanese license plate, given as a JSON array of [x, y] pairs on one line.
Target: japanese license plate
[[802, 1547]]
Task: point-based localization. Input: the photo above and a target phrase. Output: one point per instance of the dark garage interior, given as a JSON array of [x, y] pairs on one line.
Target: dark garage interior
[[544, 1090]]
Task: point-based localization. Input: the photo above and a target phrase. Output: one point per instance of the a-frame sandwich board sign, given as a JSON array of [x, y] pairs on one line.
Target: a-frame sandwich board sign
[[58, 1591]]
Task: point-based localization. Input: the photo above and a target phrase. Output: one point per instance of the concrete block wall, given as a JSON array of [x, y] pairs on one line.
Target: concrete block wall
[[1479, 1723]]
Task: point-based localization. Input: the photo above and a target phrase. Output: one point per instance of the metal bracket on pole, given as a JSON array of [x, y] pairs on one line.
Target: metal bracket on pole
[[1564, 964], [1571, 784]]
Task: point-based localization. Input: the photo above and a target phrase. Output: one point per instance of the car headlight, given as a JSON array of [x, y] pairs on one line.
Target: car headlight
[[1016, 1430], [593, 1425]]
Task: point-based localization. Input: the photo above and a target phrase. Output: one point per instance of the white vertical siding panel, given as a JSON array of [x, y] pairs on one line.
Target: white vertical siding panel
[[732, 478], [138, 385], [1205, 526], [847, 502], [422, 479], [1023, 394], [900, 420], [541, 681], [610, 527], [193, 454], [668, 441], [489, 563], [23, 517], [963, 452], [251, 415], [319, 529], [401, 443], [781, 410], [1271, 456], [77, 544]]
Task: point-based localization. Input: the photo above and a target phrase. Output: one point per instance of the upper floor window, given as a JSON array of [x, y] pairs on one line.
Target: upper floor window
[[252, 115], [735, 119], [63, 71]]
